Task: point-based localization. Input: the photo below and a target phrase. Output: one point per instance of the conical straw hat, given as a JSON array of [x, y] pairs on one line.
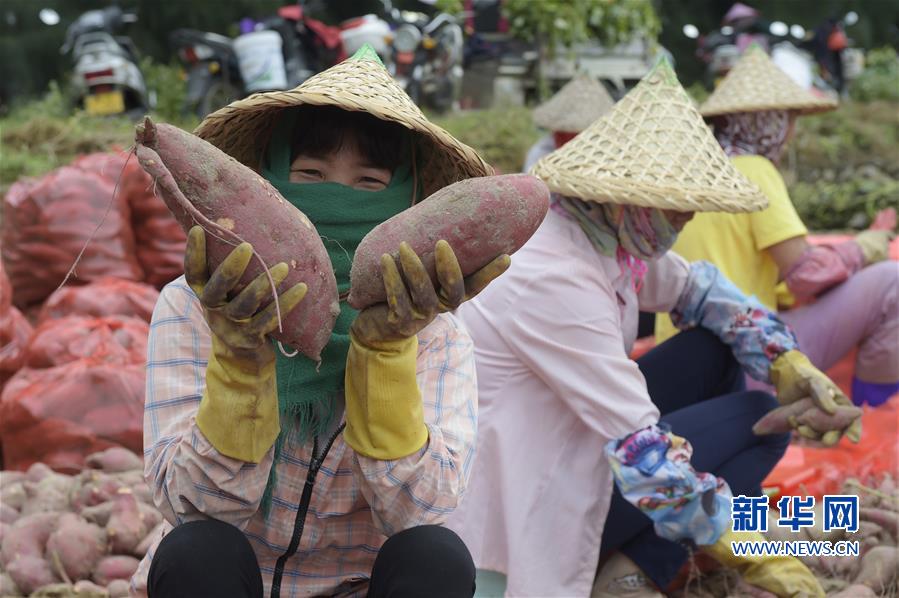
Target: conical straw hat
[[360, 83], [756, 83], [574, 107], [654, 150]]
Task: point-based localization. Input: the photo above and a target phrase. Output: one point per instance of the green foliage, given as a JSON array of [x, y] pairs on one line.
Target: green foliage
[[826, 205], [880, 79], [566, 22], [169, 85], [450, 7], [501, 135]]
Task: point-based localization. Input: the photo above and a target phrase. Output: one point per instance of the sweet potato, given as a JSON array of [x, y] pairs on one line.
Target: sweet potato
[[27, 537], [119, 588], [30, 573], [854, 591], [821, 421], [98, 514], [7, 586], [777, 421], [10, 477], [202, 185], [13, 495], [114, 567], [77, 545], [38, 472], [51, 494], [8, 514], [114, 460], [126, 527], [888, 520], [879, 568], [481, 218]]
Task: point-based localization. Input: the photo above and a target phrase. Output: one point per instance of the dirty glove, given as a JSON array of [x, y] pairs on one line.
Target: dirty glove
[[795, 378], [784, 576], [875, 245], [239, 410], [384, 414]]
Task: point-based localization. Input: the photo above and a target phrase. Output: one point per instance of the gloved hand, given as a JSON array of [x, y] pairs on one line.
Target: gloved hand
[[875, 245], [239, 410], [784, 576], [795, 378], [384, 414]]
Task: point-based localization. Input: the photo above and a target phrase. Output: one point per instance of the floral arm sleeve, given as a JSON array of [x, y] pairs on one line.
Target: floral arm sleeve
[[653, 472], [755, 333]]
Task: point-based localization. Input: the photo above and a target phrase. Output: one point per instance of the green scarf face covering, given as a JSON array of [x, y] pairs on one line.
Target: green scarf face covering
[[343, 216]]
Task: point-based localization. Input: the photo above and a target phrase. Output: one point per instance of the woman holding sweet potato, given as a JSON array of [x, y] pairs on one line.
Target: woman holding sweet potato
[[564, 411], [267, 490]]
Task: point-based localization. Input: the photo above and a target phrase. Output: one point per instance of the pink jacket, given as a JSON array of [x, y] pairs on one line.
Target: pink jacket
[[553, 335]]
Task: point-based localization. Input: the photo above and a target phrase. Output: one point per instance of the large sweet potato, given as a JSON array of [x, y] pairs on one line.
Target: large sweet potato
[[126, 527], [77, 546], [202, 185], [31, 572], [481, 218], [27, 537], [114, 567]]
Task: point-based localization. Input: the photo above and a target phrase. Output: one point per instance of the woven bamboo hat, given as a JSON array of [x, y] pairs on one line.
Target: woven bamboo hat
[[653, 150], [574, 107], [756, 83], [360, 83]]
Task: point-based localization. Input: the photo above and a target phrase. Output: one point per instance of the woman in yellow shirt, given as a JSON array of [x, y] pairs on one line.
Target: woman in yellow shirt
[[856, 290]]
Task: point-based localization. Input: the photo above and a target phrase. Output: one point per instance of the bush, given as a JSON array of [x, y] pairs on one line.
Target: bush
[[501, 135], [824, 205], [880, 79]]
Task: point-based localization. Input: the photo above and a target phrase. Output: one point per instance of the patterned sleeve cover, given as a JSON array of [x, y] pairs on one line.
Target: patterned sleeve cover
[[653, 472], [754, 333]]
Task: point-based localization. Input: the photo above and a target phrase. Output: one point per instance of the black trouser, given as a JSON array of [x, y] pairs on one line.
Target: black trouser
[[697, 385], [214, 559]]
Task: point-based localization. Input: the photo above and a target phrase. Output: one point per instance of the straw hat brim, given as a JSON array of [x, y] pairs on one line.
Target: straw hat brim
[[654, 150], [755, 84], [243, 128]]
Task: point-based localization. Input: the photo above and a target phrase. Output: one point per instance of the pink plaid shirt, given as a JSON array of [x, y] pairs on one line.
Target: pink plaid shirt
[[357, 502]]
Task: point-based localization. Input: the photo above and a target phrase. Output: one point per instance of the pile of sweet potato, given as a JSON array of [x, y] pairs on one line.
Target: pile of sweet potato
[[78, 535]]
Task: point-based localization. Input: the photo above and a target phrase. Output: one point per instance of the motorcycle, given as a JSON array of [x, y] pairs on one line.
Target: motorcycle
[[427, 57], [213, 76], [107, 79], [222, 69], [368, 29]]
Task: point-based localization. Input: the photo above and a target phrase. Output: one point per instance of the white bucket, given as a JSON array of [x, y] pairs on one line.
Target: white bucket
[[260, 60]]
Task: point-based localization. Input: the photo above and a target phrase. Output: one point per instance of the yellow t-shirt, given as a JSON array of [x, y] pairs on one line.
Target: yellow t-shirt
[[736, 242]]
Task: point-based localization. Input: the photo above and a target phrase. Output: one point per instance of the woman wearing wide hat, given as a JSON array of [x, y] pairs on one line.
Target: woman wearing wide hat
[[564, 411], [851, 286], [571, 110], [287, 477]]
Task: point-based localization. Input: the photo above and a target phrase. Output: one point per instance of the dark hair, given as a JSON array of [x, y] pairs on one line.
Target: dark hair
[[323, 130]]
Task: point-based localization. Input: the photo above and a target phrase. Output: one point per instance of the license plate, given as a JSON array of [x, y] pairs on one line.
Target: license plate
[[107, 102]]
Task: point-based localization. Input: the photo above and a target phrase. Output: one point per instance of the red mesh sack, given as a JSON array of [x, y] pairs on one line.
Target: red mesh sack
[[60, 415], [15, 332], [160, 239], [114, 339], [46, 223], [105, 297]]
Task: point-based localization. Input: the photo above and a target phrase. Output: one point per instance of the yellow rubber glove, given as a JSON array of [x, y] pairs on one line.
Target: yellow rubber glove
[[784, 576], [384, 413], [875, 245], [239, 410], [794, 377]]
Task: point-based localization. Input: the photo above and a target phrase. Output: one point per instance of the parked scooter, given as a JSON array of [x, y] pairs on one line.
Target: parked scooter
[[368, 29], [107, 79], [213, 76], [427, 57]]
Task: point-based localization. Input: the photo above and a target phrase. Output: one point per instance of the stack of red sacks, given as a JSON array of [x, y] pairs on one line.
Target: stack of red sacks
[[72, 367]]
